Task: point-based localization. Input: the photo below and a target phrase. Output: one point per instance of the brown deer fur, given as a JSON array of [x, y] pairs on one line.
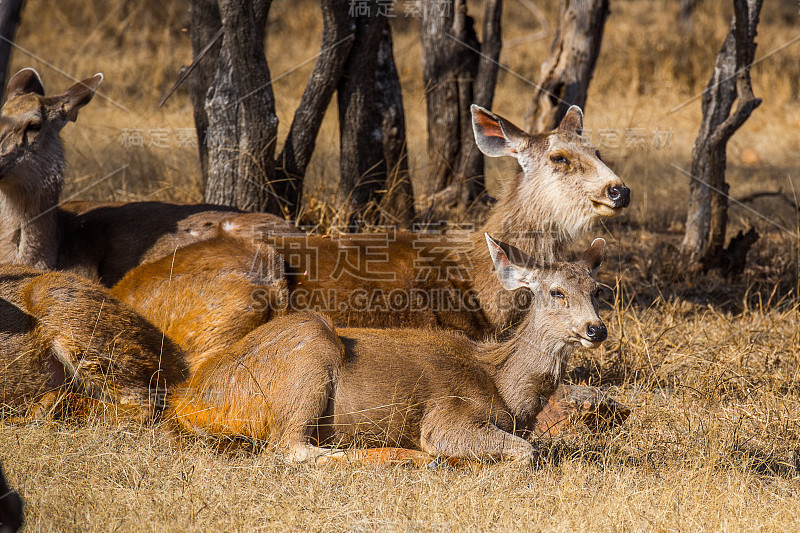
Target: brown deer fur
[[62, 333], [297, 383], [208, 295], [99, 241]]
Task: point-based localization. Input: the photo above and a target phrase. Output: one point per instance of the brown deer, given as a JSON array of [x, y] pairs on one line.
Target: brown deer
[[99, 241], [208, 295], [63, 334], [414, 280], [297, 383]]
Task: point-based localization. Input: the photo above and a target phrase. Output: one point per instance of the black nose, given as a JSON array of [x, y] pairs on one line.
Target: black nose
[[620, 195], [596, 333]]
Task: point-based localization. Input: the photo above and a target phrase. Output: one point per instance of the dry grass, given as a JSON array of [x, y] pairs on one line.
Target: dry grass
[[711, 367]]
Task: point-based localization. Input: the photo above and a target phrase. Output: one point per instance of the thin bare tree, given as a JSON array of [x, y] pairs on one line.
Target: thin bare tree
[[568, 70], [10, 11], [707, 218], [458, 70]]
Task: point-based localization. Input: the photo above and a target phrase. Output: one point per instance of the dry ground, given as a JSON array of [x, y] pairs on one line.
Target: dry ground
[[711, 367]]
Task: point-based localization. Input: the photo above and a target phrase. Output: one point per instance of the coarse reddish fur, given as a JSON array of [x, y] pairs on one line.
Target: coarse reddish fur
[[298, 383], [101, 241], [208, 295], [65, 334]]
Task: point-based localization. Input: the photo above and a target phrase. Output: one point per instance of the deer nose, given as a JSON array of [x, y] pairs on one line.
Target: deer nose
[[620, 195], [596, 333]]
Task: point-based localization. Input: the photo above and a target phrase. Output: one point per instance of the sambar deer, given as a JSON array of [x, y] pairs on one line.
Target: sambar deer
[[299, 384], [63, 335], [415, 280], [101, 241], [208, 295], [436, 279]]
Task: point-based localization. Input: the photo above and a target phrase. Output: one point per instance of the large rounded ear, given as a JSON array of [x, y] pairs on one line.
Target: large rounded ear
[[508, 272], [77, 96], [25, 81], [572, 121], [494, 135], [592, 257]]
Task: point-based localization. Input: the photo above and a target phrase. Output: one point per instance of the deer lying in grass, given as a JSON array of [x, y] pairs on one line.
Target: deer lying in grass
[[415, 280], [563, 189], [296, 382], [208, 295], [64, 334], [99, 241]]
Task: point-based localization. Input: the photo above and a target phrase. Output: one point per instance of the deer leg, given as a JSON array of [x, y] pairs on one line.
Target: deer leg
[[381, 456], [446, 434]]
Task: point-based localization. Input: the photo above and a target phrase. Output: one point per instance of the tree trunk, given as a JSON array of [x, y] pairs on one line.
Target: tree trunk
[[449, 66], [397, 203], [9, 20], [567, 72], [242, 124], [338, 36], [204, 23], [707, 218], [361, 161], [471, 168]]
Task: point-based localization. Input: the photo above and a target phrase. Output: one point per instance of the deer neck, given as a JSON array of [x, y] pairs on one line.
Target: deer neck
[[29, 220], [533, 231], [527, 367]]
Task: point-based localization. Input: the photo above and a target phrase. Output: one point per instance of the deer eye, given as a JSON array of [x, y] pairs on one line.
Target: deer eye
[[559, 158], [31, 131], [557, 293]]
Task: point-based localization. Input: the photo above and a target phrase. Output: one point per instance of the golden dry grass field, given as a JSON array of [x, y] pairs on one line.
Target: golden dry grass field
[[710, 367]]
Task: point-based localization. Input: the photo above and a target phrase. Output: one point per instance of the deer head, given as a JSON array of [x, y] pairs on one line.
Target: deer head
[[565, 294], [571, 183], [30, 123]]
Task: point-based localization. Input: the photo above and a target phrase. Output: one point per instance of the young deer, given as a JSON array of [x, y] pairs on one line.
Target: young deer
[[361, 280], [296, 382], [99, 241], [64, 334]]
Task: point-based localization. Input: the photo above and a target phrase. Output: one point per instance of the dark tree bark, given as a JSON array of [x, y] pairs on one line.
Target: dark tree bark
[[707, 218], [567, 72], [471, 168], [338, 35], [204, 23], [397, 203], [458, 71], [362, 164], [9, 20], [242, 125], [449, 65]]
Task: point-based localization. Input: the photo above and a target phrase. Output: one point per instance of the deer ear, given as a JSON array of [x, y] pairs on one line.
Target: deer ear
[[78, 96], [572, 121], [25, 81], [593, 256], [510, 275], [494, 135]]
